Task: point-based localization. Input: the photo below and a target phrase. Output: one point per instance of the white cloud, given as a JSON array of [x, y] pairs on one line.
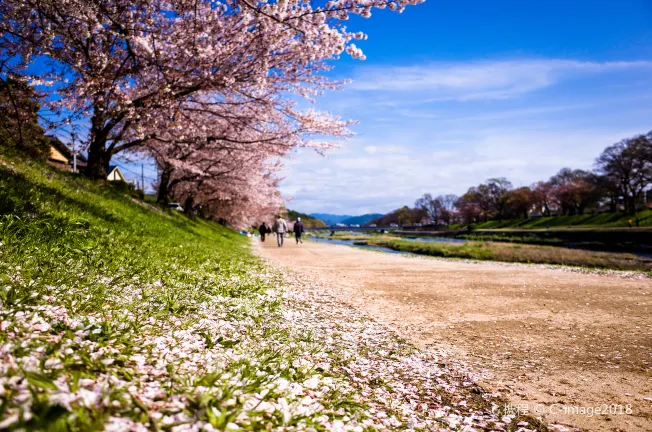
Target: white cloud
[[481, 80], [387, 149], [359, 182], [406, 148]]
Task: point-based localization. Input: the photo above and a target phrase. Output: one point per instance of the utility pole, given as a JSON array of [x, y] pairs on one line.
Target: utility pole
[[74, 154], [142, 176]]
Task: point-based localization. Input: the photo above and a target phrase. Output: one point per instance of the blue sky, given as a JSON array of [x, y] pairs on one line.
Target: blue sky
[[455, 92]]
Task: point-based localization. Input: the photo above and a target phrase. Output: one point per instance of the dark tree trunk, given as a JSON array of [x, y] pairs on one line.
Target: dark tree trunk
[[188, 204], [98, 160], [546, 210], [635, 198], [98, 156], [163, 196]]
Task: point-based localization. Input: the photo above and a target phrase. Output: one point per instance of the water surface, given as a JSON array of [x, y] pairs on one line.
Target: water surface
[[351, 243], [435, 239]]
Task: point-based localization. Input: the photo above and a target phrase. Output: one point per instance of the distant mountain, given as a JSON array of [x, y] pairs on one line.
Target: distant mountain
[[332, 219], [362, 219]]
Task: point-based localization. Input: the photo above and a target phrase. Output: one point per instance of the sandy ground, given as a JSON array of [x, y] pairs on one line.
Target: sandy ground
[[556, 343]]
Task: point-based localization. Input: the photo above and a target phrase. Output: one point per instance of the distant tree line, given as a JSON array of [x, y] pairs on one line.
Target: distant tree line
[[308, 221], [620, 181]]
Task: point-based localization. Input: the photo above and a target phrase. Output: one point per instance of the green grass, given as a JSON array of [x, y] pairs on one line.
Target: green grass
[[348, 235], [607, 220], [524, 253], [527, 239], [114, 312]]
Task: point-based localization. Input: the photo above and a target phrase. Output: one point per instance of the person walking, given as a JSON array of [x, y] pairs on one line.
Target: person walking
[[262, 229], [298, 230], [281, 227]]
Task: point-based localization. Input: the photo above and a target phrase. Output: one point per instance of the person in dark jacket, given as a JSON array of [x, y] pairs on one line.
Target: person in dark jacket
[[298, 230], [262, 229]]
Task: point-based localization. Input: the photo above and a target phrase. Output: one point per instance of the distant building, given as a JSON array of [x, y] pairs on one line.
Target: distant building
[[61, 156], [115, 174]]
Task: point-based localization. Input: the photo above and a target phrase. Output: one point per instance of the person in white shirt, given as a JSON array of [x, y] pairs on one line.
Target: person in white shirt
[[281, 228]]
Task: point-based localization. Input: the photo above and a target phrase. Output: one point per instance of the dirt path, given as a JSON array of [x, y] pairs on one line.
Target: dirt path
[[559, 344]]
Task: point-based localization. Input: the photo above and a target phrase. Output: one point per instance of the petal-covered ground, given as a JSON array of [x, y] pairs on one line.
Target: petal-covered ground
[[410, 388], [116, 317], [554, 341], [290, 359]]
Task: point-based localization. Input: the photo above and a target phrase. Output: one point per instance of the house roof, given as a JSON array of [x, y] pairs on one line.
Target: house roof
[[118, 170], [64, 149], [57, 156]]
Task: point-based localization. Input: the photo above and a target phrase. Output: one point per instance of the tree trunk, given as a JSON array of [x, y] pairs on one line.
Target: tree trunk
[[188, 204], [164, 187], [98, 160], [98, 157], [635, 198]]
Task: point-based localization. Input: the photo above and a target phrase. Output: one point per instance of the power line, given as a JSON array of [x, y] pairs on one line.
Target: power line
[[137, 174]]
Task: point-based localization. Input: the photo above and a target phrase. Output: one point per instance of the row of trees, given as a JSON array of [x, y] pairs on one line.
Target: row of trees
[[207, 88], [401, 216], [622, 176]]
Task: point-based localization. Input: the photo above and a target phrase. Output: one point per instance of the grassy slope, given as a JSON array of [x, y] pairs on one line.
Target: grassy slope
[[598, 220], [519, 253], [115, 314]]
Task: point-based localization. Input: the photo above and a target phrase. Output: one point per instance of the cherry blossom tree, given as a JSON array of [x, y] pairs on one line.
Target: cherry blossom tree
[[242, 146], [124, 64], [219, 181], [574, 191], [543, 196], [520, 202], [19, 128]]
